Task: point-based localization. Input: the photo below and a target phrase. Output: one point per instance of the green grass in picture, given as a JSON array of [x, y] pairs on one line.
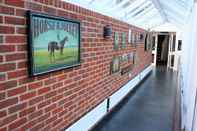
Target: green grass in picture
[[43, 61]]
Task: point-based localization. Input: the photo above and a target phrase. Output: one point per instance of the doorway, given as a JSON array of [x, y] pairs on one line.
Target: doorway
[[162, 50]]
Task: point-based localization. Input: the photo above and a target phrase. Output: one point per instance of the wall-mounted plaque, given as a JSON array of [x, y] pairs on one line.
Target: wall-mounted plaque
[[124, 58], [134, 39], [130, 36], [134, 57], [115, 65], [116, 40], [54, 43], [123, 40], [148, 41]]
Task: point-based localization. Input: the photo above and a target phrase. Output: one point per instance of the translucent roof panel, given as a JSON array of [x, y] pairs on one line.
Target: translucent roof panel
[[146, 14]]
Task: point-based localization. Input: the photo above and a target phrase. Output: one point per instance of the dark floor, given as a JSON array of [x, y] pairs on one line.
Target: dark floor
[[149, 109]]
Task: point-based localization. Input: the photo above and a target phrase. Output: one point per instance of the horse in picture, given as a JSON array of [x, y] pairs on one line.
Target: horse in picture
[[53, 46]]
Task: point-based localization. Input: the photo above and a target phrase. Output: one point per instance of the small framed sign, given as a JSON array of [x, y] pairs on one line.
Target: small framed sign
[[116, 40], [130, 36], [123, 40], [148, 42], [115, 64], [53, 43]]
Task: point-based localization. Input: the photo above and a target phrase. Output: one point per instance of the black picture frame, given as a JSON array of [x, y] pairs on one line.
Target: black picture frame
[[115, 65], [36, 33], [116, 40]]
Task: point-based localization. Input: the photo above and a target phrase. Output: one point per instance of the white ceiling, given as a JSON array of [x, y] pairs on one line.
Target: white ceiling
[[146, 14]]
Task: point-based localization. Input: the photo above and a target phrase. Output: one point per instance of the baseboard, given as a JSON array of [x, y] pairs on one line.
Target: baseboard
[[99, 112]]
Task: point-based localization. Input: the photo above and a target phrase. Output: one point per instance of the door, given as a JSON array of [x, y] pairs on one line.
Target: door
[[154, 48], [172, 50]]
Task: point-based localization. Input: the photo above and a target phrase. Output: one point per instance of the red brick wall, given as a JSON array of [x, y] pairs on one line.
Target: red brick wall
[[56, 100]]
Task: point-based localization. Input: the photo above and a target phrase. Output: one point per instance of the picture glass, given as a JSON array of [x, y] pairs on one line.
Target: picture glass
[[55, 43], [130, 36], [116, 40], [115, 67], [123, 40]]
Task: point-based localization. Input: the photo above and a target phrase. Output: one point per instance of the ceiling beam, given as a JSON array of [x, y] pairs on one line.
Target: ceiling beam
[[174, 9], [119, 5], [142, 14], [160, 9]]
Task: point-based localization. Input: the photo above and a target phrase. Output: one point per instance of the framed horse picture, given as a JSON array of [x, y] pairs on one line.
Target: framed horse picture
[[54, 43]]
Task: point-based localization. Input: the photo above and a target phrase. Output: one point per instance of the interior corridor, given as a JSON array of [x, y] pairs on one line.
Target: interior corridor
[[150, 108]]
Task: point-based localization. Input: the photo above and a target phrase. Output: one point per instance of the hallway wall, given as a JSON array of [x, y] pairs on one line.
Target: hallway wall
[[189, 72], [56, 100]]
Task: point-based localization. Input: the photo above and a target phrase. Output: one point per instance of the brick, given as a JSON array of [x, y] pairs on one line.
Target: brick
[[7, 67], [2, 96], [8, 102], [8, 120], [57, 98], [21, 30], [38, 127], [7, 48], [3, 128], [35, 85], [49, 81], [44, 103], [6, 10], [27, 96], [35, 114], [27, 111], [15, 39], [17, 108], [33, 6], [17, 91], [7, 29], [17, 74], [3, 114], [14, 20], [22, 64], [26, 80], [50, 108], [17, 123], [50, 94], [21, 12], [28, 125], [57, 110], [1, 19], [56, 122], [16, 56], [18, 3], [36, 100], [50, 120], [44, 90], [43, 117], [8, 85], [49, 10]]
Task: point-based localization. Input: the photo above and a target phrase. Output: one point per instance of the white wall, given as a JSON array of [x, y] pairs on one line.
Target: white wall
[[189, 72], [177, 53]]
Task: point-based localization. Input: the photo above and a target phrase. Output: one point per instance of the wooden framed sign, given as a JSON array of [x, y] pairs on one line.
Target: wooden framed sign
[[123, 40], [116, 40], [54, 43]]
